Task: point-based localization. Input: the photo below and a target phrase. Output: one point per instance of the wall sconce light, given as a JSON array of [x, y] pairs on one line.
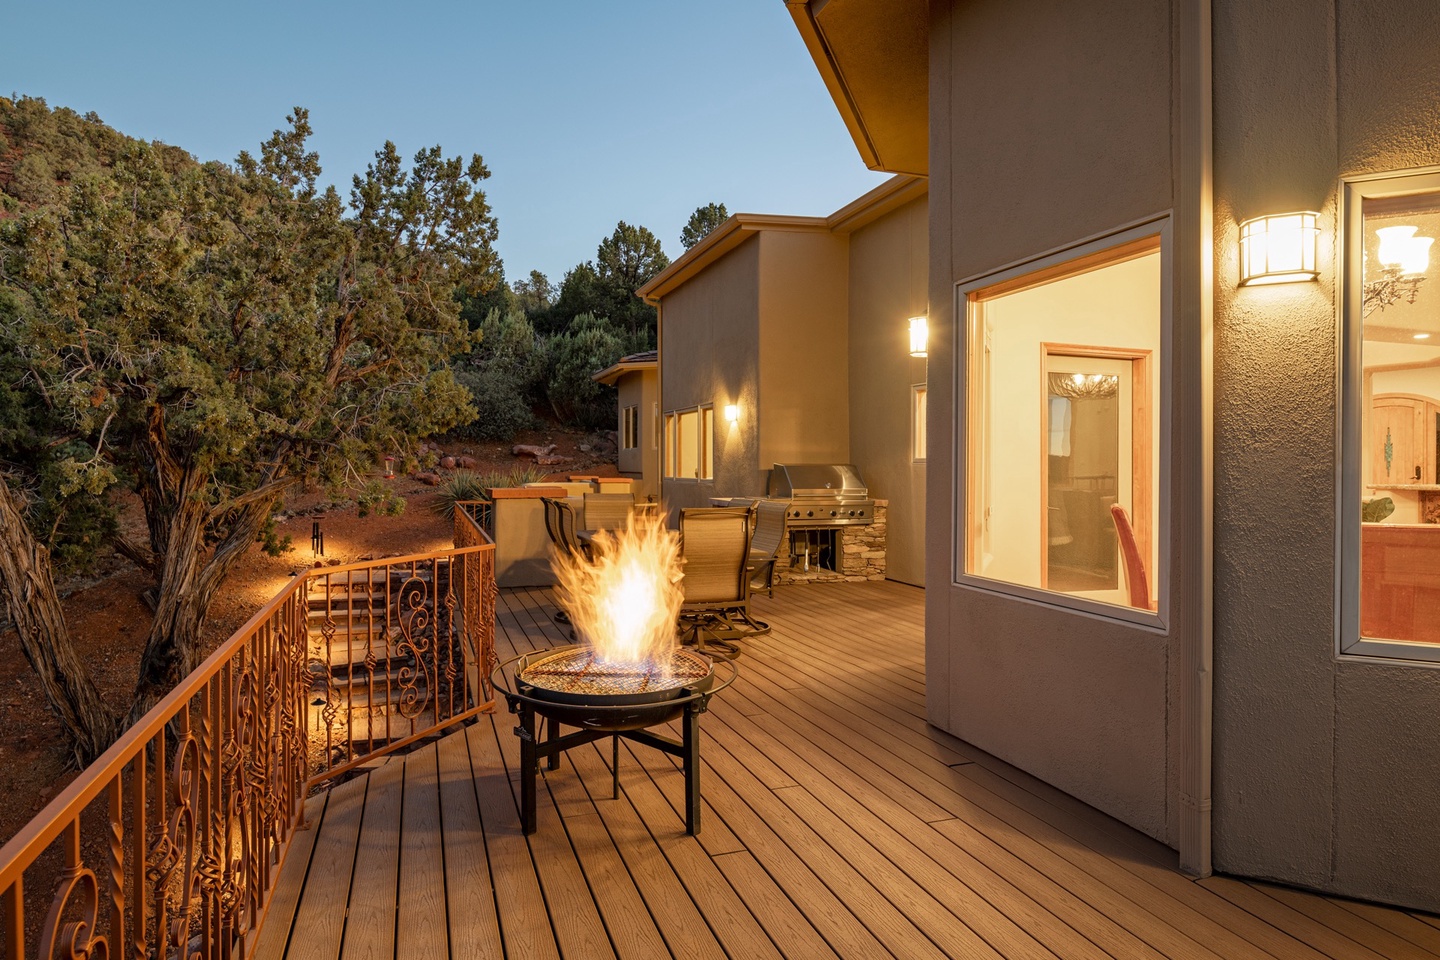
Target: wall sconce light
[[1278, 249], [732, 413], [919, 337], [1404, 258]]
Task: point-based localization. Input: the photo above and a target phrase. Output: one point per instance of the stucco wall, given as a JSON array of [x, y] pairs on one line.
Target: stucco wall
[[887, 286], [640, 389], [1050, 124], [709, 354], [804, 408], [1324, 769]]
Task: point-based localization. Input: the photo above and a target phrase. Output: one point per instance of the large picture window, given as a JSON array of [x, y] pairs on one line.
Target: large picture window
[[1391, 518], [1062, 437]]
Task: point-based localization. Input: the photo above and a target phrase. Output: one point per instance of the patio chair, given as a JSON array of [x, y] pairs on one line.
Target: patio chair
[[715, 615], [765, 544], [560, 525], [608, 511], [1137, 584]]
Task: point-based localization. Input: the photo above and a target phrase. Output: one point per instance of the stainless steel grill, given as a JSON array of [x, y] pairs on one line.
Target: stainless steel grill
[[822, 494]]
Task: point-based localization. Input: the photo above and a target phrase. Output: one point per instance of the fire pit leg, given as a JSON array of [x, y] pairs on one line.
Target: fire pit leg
[[691, 758], [615, 767], [552, 732], [529, 767]]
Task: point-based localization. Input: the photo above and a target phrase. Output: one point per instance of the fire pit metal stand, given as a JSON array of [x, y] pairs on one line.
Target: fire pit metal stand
[[598, 720]]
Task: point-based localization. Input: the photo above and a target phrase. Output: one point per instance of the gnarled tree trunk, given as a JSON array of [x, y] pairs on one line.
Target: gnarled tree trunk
[[190, 576], [28, 584]]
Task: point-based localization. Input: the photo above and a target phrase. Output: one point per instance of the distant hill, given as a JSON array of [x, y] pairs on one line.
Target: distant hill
[[41, 150]]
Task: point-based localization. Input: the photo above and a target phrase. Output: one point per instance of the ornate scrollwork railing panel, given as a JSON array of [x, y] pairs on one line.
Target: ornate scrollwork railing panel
[[168, 846]]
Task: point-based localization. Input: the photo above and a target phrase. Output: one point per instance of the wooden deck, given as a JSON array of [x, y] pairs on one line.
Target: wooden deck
[[836, 823]]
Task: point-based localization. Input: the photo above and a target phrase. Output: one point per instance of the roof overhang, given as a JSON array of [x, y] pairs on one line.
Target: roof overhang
[[874, 58], [718, 242], [893, 193], [612, 374]]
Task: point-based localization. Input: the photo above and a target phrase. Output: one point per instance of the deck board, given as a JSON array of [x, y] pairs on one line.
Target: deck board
[[836, 823]]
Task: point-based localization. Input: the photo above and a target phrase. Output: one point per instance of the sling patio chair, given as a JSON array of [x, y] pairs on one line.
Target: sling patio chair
[[765, 544], [560, 525], [715, 615], [608, 511]]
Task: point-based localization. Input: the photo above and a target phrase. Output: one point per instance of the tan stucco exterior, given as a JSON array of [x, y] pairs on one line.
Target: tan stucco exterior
[[636, 380], [888, 272], [800, 322], [1074, 143], [1339, 792], [1051, 124]]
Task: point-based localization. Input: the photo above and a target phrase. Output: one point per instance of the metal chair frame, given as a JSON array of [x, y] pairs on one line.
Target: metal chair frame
[[715, 616]]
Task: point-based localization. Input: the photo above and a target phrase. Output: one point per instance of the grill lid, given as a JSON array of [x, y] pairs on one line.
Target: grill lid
[[791, 480]]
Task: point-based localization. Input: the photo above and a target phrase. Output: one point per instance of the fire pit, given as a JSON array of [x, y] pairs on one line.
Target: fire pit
[[567, 686], [630, 673]]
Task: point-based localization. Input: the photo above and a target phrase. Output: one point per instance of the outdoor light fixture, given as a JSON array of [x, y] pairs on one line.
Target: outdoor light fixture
[[919, 337], [1404, 258], [1278, 249], [732, 413]]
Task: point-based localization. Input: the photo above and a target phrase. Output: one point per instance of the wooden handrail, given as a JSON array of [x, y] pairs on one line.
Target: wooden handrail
[[196, 803]]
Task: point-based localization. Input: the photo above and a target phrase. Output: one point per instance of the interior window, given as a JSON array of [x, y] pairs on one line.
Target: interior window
[[1062, 444]]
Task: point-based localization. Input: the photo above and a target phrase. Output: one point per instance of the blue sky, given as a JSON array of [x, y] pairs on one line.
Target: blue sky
[[586, 113]]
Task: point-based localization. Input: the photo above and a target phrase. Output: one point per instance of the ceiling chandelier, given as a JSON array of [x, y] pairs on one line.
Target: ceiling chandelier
[[1403, 258]]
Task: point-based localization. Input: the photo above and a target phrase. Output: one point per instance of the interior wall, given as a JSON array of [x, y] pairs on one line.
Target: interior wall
[[888, 285], [1050, 124], [803, 406], [710, 354], [1323, 766]]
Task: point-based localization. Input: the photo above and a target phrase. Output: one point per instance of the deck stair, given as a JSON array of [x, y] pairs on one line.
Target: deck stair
[[358, 626]]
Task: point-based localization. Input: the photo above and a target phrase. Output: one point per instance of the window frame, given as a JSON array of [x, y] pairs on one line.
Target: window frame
[[1350, 326], [704, 452], [1092, 253], [630, 427]]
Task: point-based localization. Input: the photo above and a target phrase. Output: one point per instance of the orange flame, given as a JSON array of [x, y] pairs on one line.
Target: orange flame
[[625, 603]]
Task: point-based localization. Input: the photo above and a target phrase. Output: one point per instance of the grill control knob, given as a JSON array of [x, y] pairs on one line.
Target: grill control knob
[[809, 513], [852, 513], [832, 513], [862, 513]]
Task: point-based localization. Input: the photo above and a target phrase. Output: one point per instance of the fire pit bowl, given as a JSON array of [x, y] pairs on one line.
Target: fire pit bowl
[[566, 686]]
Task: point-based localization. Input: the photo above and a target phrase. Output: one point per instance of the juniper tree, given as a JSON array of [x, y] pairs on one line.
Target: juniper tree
[[212, 335]]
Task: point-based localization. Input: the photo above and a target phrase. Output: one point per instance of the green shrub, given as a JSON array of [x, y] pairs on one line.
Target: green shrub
[[465, 485], [521, 475], [504, 374], [589, 345], [378, 497], [501, 407]]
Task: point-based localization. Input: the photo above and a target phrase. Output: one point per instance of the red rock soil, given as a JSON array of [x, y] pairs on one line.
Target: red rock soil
[[109, 620]]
